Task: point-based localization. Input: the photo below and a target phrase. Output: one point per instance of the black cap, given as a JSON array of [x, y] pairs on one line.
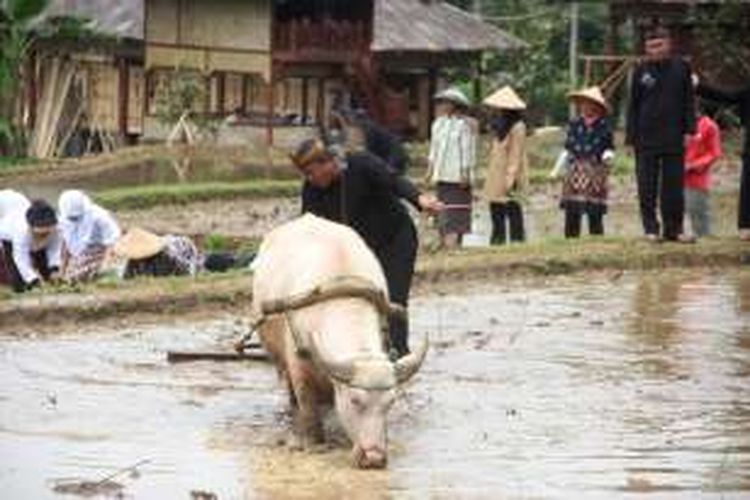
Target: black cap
[[656, 29], [41, 214]]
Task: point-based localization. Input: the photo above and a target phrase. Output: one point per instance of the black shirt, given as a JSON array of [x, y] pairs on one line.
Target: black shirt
[[386, 146], [366, 196], [662, 106], [741, 99]]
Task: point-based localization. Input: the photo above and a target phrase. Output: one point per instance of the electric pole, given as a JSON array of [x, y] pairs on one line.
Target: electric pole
[[573, 49]]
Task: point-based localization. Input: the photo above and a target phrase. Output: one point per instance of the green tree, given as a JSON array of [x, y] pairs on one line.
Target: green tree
[[540, 72], [17, 21]]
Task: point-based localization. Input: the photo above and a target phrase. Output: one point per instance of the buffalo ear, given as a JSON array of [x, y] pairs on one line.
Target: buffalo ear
[[410, 364]]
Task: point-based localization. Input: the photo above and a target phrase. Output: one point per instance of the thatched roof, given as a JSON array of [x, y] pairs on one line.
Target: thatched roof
[[121, 18], [434, 26], [400, 25]]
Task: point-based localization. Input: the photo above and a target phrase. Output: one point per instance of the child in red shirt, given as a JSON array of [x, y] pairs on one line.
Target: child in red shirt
[[702, 151]]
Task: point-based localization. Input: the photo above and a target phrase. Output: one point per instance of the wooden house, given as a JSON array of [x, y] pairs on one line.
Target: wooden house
[[276, 64]]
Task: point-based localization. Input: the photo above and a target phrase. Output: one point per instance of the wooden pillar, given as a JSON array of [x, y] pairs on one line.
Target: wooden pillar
[[432, 89], [270, 107], [319, 105], [243, 94], [221, 84], [305, 112], [423, 106], [124, 96], [31, 76], [478, 72]]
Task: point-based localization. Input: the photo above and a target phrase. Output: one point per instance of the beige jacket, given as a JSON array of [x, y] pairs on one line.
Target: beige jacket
[[507, 172]]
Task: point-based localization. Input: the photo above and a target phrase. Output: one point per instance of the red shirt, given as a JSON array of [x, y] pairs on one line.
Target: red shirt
[[701, 152]]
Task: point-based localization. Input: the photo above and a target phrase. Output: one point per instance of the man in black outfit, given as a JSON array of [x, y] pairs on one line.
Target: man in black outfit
[[377, 140], [661, 116], [361, 191], [741, 99]]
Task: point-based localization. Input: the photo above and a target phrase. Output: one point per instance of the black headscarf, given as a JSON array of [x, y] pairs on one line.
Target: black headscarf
[[502, 124], [41, 214]]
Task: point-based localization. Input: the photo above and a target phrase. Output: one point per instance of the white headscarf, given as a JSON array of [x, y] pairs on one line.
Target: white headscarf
[[84, 223]]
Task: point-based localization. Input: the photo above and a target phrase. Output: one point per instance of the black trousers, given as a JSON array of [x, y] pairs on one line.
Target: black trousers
[[573, 218], [743, 211], [10, 273], [513, 213], [660, 180], [397, 259]]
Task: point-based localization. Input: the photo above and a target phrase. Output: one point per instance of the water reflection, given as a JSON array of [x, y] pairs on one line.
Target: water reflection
[[569, 388]]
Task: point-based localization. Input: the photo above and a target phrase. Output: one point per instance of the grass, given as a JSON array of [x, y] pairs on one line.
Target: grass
[[181, 194]]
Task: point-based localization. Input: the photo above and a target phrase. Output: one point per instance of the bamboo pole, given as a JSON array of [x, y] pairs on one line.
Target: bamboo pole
[[61, 94], [50, 81]]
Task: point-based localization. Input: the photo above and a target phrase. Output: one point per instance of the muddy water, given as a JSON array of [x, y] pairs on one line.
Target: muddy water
[[594, 387]]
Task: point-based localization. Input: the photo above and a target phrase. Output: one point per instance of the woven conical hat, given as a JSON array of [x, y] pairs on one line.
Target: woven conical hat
[[593, 94], [138, 243], [505, 98], [453, 95]]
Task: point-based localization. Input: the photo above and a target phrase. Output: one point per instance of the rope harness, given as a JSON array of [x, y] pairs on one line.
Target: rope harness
[[339, 287]]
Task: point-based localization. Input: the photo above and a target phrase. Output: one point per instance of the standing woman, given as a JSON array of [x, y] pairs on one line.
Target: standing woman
[[89, 232], [451, 164], [29, 247], [590, 149], [507, 176]]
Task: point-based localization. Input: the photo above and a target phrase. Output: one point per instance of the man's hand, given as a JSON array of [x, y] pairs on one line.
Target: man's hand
[[430, 204], [54, 278]]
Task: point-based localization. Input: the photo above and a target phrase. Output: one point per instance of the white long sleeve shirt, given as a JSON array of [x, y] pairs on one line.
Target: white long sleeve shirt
[[452, 150], [15, 229], [11, 201], [96, 227]]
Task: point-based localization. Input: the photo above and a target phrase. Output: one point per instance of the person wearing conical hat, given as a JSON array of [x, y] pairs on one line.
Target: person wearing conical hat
[[589, 150], [148, 254], [452, 161], [507, 172]]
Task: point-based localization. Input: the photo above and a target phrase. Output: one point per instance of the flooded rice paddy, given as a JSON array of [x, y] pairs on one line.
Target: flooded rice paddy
[[605, 386]]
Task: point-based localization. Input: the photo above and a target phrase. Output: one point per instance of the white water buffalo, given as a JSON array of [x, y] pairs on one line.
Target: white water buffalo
[[330, 352]]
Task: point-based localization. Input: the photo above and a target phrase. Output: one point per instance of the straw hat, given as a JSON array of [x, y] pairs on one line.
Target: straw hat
[[453, 95], [592, 94], [505, 98], [138, 244]]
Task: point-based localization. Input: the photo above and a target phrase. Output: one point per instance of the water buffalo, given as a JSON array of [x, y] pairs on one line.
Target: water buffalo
[[330, 352]]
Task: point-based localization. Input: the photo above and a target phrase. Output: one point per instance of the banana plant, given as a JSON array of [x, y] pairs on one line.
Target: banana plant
[[18, 19]]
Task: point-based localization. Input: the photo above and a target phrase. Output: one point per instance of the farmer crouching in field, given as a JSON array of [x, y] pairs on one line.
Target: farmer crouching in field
[[89, 233], [30, 247], [361, 191], [589, 150], [147, 254], [507, 174]]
